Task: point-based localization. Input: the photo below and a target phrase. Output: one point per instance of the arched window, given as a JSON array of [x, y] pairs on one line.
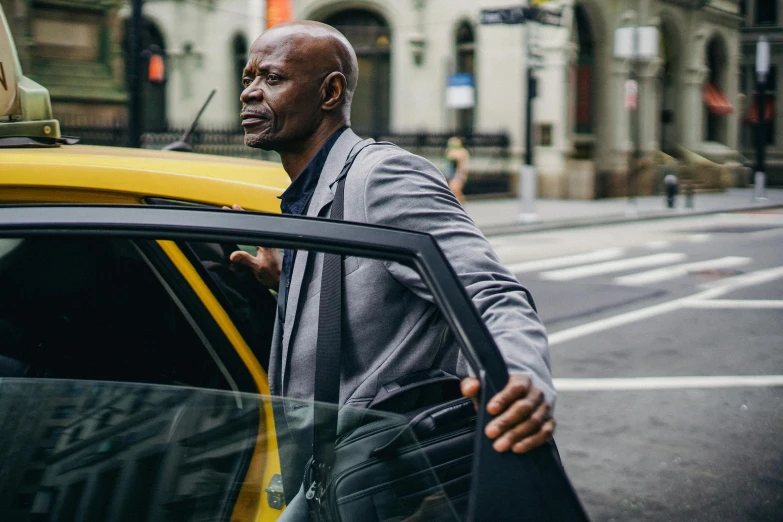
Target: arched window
[[583, 120], [716, 106], [239, 60], [466, 63], [669, 51], [371, 38]]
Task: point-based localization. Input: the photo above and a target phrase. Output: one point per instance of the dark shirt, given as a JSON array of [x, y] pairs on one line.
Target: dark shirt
[[295, 201]]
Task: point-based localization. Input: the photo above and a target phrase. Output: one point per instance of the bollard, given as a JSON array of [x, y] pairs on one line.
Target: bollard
[[527, 188], [688, 195]]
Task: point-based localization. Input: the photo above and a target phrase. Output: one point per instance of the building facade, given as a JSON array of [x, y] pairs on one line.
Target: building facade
[[762, 17], [73, 47], [691, 94]]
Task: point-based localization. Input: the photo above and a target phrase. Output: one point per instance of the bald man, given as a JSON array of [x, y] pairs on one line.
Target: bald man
[[299, 82]]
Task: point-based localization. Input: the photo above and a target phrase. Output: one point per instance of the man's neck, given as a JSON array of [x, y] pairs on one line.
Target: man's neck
[[294, 162]]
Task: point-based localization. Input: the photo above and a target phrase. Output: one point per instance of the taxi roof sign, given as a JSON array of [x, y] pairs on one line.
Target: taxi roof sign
[[25, 107], [10, 71]]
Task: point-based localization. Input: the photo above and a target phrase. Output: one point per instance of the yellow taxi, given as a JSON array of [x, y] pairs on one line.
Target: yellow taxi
[[157, 311]]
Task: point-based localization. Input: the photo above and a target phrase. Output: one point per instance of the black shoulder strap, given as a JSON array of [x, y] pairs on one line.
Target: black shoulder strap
[[329, 343]]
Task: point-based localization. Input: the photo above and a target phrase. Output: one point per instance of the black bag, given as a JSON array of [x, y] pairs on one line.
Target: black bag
[[417, 465]]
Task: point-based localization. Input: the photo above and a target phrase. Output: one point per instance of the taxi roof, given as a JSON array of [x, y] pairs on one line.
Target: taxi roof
[[118, 173]]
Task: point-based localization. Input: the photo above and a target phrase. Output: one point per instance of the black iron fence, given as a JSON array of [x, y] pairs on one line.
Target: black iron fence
[[230, 141]]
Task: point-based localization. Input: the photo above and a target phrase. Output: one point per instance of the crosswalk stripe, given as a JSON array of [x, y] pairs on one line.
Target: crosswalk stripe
[[671, 272], [560, 262], [727, 285], [621, 265], [733, 304], [750, 279], [668, 383]]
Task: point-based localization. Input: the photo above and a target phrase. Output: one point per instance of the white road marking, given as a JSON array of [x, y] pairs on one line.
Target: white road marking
[[668, 383], [618, 320], [578, 272], [653, 245], [750, 279], [715, 289], [735, 304], [559, 262], [671, 272], [699, 238]]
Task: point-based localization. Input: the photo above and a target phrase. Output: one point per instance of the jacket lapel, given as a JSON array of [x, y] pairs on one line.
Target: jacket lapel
[[322, 196]]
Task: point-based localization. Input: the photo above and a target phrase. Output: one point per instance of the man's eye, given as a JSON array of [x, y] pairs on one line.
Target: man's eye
[[246, 82], [272, 78]]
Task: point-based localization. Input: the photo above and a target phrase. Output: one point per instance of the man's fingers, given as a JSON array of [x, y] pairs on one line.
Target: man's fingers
[[516, 388], [470, 387], [241, 257], [531, 425], [537, 439], [236, 207], [515, 415]]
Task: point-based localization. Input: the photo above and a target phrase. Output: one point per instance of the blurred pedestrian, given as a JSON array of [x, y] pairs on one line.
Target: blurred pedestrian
[[457, 158], [670, 184]]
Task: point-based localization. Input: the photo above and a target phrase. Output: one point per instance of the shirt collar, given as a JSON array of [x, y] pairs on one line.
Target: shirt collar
[[296, 198]]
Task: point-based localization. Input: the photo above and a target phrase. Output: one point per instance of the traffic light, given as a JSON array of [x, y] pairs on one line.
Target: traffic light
[[156, 68]]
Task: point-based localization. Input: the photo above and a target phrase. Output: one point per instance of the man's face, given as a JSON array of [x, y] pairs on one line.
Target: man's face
[[281, 103]]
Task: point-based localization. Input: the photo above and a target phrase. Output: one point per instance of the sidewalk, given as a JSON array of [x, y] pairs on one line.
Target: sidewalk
[[499, 216]]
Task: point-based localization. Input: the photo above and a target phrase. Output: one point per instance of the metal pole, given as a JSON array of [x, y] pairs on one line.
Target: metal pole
[[759, 180], [635, 122], [762, 73], [135, 102], [527, 173]]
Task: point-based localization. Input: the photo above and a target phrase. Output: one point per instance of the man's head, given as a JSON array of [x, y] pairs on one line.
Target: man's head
[[299, 78]]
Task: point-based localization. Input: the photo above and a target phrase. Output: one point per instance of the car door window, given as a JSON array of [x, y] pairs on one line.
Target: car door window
[[93, 308]]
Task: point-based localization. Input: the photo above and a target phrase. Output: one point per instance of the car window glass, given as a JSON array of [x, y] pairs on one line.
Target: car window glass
[[93, 308], [135, 452], [252, 307], [398, 367]]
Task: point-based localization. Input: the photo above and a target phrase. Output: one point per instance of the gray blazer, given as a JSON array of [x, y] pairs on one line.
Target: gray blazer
[[391, 326]]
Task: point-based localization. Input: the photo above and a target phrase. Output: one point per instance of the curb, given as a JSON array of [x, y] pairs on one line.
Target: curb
[[522, 228]]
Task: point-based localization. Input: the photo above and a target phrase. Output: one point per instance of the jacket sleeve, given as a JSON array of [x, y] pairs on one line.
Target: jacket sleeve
[[406, 191]]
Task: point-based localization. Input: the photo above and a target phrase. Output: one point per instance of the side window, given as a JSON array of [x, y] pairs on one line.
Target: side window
[[252, 307], [93, 308]]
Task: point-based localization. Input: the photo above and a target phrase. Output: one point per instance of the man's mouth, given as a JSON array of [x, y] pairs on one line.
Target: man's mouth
[[250, 119]]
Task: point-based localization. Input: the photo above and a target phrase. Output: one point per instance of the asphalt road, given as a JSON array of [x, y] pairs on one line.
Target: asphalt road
[[667, 349]]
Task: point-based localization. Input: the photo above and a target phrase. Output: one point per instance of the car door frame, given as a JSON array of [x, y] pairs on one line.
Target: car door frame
[[505, 486]]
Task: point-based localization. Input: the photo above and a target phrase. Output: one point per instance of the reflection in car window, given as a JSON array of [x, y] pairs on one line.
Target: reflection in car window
[[183, 455], [92, 308]]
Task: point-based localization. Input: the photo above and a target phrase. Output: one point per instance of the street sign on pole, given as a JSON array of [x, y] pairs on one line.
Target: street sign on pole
[[646, 41], [516, 15], [521, 15]]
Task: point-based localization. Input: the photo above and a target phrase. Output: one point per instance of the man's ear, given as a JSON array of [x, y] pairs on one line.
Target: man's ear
[[333, 91]]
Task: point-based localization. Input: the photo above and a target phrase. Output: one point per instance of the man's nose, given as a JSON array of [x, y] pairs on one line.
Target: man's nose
[[251, 92]]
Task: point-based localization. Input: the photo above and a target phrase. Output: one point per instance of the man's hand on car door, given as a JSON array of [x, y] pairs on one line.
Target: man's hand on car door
[[523, 419]]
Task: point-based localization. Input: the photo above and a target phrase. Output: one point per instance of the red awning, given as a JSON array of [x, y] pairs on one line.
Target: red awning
[[769, 110], [716, 101]]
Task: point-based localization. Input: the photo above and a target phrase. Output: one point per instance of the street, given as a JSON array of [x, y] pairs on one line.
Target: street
[[666, 342]]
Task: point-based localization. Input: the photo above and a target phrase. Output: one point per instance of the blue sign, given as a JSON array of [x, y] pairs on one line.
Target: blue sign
[[460, 80]]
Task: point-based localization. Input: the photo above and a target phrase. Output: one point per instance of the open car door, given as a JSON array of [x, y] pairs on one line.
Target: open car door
[[503, 486]]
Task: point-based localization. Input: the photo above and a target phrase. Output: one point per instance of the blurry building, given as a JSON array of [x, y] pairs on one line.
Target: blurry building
[[73, 48], [205, 46], [763, 17], [582, 130]]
